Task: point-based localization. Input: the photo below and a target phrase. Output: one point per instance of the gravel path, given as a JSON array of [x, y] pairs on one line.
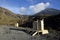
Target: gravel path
[[7, 34]]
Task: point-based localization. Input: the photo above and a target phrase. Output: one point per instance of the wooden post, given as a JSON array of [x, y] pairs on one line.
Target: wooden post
[[37, 27], [42, 27], [17, 25], [42, 24], [37, 24]]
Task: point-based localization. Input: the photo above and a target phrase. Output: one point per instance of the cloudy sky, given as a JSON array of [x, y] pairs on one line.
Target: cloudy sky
[[28, 7]]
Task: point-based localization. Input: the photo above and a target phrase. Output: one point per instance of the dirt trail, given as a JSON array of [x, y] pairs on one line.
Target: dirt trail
[[7, 34]]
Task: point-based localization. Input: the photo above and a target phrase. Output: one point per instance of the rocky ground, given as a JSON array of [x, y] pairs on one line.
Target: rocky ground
[[7, 34]]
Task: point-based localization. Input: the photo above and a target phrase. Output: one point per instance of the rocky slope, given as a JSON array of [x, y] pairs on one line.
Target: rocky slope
[[7, 17]]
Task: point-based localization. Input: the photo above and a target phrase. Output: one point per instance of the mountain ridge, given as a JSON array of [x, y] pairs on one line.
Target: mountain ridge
[[48, 11], [8, 17]]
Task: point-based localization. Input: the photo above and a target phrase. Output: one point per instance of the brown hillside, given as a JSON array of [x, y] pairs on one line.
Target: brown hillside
[[7, 17]]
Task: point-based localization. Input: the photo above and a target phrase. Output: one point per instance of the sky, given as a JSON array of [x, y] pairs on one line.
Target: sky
[[29, 7]]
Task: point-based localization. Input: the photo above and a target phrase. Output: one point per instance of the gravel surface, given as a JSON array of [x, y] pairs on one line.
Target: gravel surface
[[7, 34]]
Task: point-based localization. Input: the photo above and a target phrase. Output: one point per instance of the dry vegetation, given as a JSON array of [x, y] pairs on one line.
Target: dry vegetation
[[7, 17]]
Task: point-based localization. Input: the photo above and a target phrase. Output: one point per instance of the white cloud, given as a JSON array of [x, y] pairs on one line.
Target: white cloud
[[47, 4], [34, 8], [23, 9], [39, 7]]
